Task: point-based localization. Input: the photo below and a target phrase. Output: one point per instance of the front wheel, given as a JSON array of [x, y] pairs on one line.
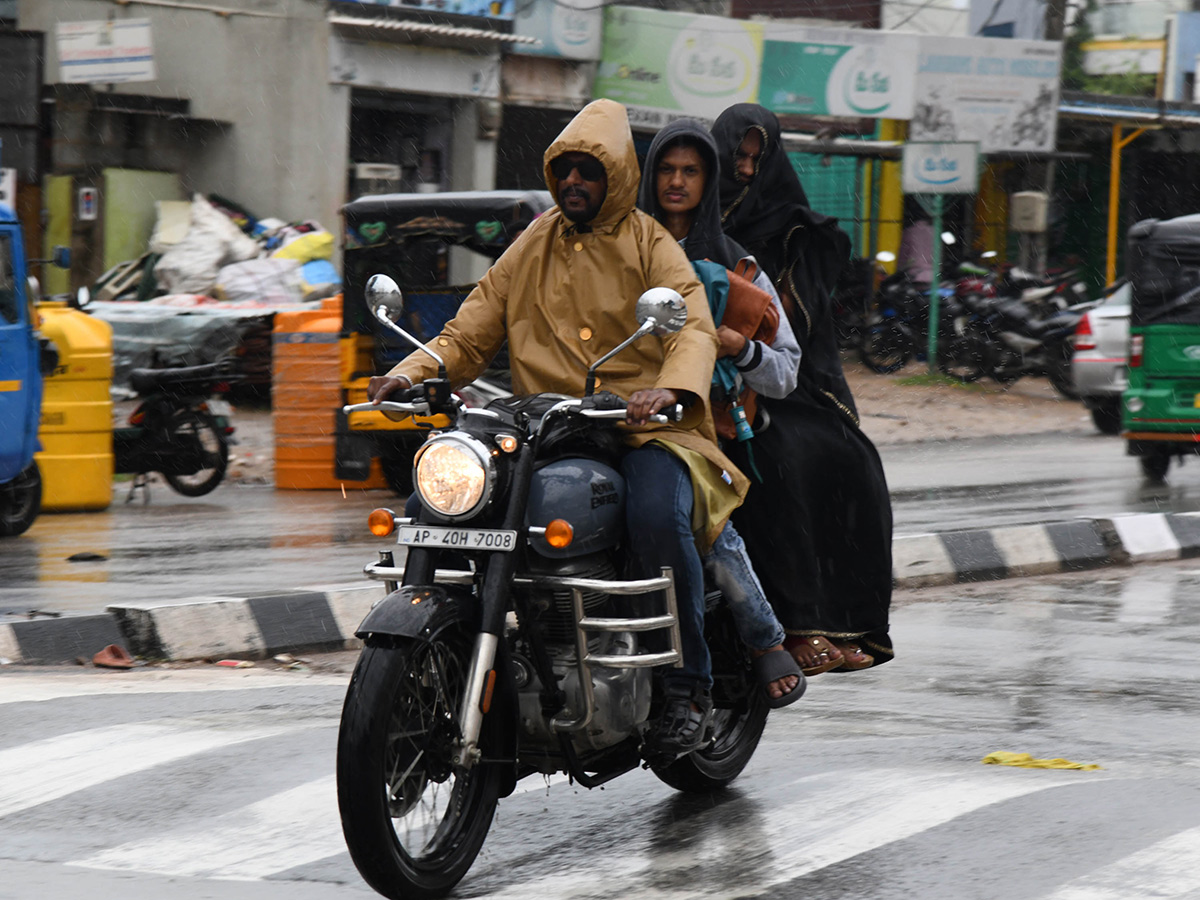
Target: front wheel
[[1060, 372], [20, 501], [965, 358], [1155, 465], [200, 453], [885, 347], [413, 821]]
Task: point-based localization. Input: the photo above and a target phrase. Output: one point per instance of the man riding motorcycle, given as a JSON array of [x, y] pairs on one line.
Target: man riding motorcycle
[[562, 295]]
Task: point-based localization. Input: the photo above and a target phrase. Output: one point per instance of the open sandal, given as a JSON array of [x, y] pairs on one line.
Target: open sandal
[[774, 665], [853, 656], [818, 652]]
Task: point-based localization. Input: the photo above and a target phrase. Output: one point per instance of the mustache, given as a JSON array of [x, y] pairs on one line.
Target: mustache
[[574, 191]]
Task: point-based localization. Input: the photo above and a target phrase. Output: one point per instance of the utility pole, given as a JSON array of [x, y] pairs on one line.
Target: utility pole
[[1041, 177]]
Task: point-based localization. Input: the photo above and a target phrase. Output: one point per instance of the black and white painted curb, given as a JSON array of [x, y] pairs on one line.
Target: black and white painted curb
[[325, 618]]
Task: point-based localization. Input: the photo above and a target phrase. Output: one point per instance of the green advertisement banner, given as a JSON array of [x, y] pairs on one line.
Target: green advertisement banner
[[664, 65]]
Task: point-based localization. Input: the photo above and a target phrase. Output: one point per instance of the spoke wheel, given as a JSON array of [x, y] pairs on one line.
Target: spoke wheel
[[413, 822], [199, 442], [20, 501]]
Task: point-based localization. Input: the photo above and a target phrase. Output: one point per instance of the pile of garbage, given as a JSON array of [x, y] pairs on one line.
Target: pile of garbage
[[211, 248]]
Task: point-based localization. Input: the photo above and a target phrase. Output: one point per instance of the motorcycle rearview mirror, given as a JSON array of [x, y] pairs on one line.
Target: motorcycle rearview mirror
[[885, 256], [385, 300], [660, 310]]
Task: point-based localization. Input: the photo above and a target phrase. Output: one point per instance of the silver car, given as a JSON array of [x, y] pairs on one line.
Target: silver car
[[1101, 350]]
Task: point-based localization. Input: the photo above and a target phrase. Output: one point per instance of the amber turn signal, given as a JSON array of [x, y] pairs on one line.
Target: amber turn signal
[[559, 534], [382, 522], [506, 442]]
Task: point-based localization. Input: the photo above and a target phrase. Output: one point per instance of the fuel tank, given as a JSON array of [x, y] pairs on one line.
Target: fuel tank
[[588, 494]]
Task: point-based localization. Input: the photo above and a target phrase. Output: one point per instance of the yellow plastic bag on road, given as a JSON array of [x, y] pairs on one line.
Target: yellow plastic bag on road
[[1025, 761]]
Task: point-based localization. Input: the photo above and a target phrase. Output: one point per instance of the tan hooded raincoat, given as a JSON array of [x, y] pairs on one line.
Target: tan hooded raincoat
[[563, 298]]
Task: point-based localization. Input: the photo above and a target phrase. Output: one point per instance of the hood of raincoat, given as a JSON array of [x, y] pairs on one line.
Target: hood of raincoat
[[601, 129], [705, 239]]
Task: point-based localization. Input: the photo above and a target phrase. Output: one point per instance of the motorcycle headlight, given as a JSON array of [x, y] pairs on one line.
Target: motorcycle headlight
[[454, 475]]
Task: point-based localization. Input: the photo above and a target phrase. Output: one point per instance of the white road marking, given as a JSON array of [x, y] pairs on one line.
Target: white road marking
[[41, 771], [901, 803], [1164, 871], [285, 830], [21, 688]]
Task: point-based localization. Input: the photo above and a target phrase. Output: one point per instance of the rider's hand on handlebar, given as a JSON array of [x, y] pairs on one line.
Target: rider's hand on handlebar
[[382, 387], [643, 404]]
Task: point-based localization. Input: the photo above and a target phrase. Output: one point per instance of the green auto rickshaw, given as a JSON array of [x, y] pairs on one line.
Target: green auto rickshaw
[[435, 246], [1161, 405]]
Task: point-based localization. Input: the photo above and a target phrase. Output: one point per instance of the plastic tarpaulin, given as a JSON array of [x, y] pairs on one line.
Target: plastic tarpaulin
[[1163, 264]]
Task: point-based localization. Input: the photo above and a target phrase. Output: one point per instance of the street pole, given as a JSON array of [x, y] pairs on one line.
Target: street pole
[[935, 284]]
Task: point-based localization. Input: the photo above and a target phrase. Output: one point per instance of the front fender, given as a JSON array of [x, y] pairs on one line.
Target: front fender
[[420, 611], [423, 611]]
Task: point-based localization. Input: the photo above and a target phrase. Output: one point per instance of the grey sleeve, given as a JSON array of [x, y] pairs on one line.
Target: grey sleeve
[[771, 369]]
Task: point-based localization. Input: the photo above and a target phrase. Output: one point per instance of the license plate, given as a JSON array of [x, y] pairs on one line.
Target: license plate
[[457, 538], [220, 408]]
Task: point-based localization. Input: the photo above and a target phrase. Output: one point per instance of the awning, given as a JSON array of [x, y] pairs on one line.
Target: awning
[[415, 29]]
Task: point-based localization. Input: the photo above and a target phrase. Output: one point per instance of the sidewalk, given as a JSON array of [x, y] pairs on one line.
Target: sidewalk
[[324, 618]]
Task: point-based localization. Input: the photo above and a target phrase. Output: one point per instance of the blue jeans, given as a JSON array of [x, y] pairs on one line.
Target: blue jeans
[[729, 566], [658, 520]]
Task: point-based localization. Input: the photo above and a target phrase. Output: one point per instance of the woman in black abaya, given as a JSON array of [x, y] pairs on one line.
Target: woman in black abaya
[[819, 525]]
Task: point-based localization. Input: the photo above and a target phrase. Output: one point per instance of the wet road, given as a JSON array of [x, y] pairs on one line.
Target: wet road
[[245, 539], [206, 782]]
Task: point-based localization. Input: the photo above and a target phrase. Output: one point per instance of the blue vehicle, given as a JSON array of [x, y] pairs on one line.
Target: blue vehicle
[[23, 360]]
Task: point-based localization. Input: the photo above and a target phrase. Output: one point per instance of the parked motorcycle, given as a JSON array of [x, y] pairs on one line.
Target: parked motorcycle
[[533, 656], [178, 429], [898, 330]]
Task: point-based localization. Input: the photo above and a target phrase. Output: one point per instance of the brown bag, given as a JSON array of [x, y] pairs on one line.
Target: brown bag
[[749, 312]]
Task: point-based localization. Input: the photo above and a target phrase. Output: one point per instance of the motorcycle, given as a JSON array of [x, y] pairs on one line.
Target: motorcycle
[[177, 429], [533, 656]]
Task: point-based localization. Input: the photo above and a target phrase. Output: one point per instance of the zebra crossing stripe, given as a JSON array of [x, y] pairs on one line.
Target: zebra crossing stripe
[[46, 770], [23, 688], [285, 830], [1164, 870]]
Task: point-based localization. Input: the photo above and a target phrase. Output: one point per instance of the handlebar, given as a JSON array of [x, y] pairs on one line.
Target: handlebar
[[415, 407], [665, 416]]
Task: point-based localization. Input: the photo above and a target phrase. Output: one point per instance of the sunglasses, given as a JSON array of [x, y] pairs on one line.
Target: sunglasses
[[589, 169]]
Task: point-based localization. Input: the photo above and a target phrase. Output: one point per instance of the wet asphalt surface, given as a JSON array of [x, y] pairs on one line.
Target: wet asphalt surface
[[249, 538], [204, 782]]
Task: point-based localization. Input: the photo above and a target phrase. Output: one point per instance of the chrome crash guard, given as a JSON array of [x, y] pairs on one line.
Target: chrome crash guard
[[419, 619]]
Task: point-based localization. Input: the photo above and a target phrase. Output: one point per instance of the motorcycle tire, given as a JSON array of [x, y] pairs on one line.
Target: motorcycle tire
[[738, 719], [885, 348], [20, 501], [1060, 373], [413, 822], [965, 359], [188, 427]]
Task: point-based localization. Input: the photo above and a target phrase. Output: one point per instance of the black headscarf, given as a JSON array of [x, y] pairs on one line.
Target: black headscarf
[[803, 251], [770, 216], [705, 238]]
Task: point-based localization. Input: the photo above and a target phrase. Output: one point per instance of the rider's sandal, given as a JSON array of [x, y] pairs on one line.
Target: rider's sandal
[[853, 657], [774, 665], [827, 656]]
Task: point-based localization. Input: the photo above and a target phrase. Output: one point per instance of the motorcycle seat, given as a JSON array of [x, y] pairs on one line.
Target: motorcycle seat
[[147, 381]]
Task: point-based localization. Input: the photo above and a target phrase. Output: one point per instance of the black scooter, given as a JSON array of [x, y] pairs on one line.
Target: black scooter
[[176, 429]]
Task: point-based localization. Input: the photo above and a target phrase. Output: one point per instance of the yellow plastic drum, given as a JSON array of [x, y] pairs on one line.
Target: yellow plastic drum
[[76, 427]]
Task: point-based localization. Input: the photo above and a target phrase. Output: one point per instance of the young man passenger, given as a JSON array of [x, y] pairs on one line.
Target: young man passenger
[[679, 188]]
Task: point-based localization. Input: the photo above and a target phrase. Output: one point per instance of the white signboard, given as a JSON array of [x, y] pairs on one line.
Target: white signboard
[[8, 188], [105, 52], [567, 28], [940, 168], [1001, 93]]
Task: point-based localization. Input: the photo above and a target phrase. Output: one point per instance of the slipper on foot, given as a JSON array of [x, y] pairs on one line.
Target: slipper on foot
[[776, 664], [819, 647], [854, 657]]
